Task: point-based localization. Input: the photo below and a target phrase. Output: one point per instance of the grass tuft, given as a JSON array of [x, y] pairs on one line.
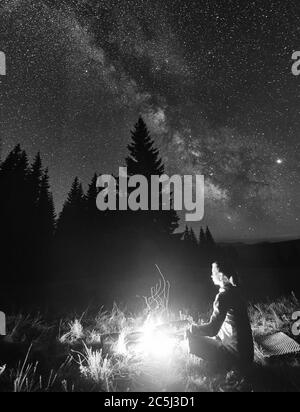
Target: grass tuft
[[84, 356]]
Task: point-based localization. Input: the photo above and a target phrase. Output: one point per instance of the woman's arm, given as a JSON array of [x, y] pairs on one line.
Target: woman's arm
[[217, 319]]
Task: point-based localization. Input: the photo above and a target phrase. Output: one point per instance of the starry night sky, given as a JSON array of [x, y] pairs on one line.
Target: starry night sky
[[212, 79]]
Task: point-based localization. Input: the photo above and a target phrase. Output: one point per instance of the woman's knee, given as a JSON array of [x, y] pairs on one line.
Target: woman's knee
[[207, 349]]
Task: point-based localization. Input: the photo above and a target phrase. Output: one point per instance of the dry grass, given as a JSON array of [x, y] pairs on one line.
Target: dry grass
[[273, 316], [81, 355]]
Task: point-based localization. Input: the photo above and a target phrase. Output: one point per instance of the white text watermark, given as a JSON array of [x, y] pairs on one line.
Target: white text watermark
[[296, 64], [296, 324], [2, 324], [2, 64], [165, 193]]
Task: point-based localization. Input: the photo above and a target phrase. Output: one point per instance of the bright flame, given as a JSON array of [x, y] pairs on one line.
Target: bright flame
[[155, 344], [151, 342], [156, 338]]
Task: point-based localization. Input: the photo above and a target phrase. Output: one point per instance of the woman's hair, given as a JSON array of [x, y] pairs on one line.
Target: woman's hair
[[227, 268]]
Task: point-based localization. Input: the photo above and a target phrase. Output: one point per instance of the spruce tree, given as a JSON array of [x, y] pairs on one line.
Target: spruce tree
[[189, 237], [209, 239], [16, 215], [202, 238], [144, 157], [94, 221], [14, 173], [193, 237], [97, 221], [46, 210], [186, 234], [70, 245], [10, 164], [71, 219], [35, 179], [91, 197], [144, 160]]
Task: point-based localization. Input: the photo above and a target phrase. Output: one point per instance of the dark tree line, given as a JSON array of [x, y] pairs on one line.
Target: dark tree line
[[27, 218], [83, 242]]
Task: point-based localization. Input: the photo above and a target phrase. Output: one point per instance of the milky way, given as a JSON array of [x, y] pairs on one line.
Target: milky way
[[211, 78]]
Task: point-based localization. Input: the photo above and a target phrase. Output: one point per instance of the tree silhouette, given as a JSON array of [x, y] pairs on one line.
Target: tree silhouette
[[209, 239], [35, 178], [202, 238], [193, 237], [144, 160], [189, 237], [85, 242], [46, 210], [15, 215], [27, 218], [70, 242], [71, 219], [91, 198]]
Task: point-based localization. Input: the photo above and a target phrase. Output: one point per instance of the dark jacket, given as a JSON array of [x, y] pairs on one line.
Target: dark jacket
[[230, 322]]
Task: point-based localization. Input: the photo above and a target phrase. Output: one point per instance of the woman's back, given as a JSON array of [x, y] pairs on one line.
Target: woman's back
[[236, 333]]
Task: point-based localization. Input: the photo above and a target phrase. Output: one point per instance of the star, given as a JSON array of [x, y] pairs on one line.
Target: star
[[79, 77]]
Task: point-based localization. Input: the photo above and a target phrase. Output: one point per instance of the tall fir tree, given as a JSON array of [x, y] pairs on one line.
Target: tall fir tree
[[91, 197], [72, 217], [98, 222], [189, 237], [46, 210], [143, 157], [35, 179], [193, 237], [16, 211], [43, 226], [209, 239], [70, 241], [202, 238], [186, 234], [144, 160], [94, 218], [12, 161]]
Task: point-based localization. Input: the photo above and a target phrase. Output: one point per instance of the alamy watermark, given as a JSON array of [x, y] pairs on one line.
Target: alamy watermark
[[2, 64], [296, 64], [2, 324], [132, 193], [296, 324]]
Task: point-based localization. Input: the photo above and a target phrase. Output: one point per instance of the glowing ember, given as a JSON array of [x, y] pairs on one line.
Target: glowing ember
[[155, 343], [152, 341], [158, 337]]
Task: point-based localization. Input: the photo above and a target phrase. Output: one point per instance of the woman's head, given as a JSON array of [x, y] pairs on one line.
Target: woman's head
[[224, 274]]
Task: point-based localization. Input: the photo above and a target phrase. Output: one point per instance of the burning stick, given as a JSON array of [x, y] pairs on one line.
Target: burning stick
[[158, 336], [159, 299]]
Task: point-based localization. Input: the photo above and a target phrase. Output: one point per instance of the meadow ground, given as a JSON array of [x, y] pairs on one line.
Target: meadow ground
[[84, 354]]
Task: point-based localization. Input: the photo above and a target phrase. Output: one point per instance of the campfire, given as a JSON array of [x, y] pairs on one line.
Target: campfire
[[160, 336]]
